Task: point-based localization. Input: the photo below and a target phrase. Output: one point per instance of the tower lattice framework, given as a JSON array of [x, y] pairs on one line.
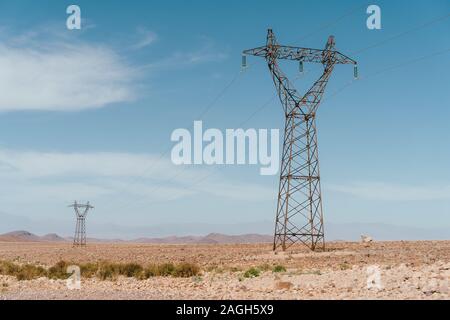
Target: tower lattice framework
[[299, 216], [81, 211]]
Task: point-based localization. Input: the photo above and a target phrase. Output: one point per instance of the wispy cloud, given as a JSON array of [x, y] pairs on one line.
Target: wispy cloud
[[31, 174], [394, 192], [146, 38], [59, 74], [32, 164], [206, 53]]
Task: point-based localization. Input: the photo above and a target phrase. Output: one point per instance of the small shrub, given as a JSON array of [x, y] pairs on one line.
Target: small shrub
[[344, 266], [108, 271], [252, 273], [58, 271], [30, 272], [166, 269], [106, 274], [212, 268], [219, 270], [264, 267], [88, 270], [279, 268], [22, 272], [186, 270], [235, 269], [131, 270], [8, 268], [150, 271]]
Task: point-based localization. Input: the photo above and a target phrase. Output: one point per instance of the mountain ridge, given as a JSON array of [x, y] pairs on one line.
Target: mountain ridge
[[211, 238]]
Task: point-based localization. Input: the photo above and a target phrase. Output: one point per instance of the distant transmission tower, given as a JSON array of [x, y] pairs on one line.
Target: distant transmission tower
[[299, 216], [81, 211]]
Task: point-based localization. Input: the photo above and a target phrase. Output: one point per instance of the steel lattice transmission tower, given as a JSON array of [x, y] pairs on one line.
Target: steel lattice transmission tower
[[299, 216], [81, 211]]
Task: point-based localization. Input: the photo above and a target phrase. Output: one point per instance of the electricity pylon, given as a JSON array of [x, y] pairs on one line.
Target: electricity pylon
[[81, 211], [299, 216]]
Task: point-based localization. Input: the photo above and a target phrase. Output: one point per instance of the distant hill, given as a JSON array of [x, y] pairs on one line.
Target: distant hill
[[245, 238], [210, 238], [52, 237], [171, 239], [25, 236]]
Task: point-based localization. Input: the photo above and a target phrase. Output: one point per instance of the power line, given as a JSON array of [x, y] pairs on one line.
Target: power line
[[141, 176], [334, 22], [424, 25], [387, 69]]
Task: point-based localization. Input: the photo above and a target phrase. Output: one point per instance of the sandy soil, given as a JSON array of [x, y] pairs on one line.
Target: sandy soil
[[406, 270]]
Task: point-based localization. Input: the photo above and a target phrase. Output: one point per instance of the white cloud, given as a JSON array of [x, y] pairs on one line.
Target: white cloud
[[61, 75], [393, 192]]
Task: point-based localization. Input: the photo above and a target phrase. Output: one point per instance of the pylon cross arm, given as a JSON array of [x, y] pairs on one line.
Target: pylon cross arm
[[299, 54], [292, 102]]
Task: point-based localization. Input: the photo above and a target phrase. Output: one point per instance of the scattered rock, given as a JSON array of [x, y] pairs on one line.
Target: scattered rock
[[366, 239], [283, 285]]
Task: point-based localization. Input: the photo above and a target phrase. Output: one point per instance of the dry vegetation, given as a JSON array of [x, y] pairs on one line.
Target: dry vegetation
[[102, 270]]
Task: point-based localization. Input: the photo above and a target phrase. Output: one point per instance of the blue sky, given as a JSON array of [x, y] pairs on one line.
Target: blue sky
[[87, 114]]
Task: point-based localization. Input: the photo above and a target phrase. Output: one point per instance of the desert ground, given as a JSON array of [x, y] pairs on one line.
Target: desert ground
[[345, 270]]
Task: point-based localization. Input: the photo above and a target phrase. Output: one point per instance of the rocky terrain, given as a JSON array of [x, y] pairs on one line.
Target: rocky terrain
[[379, 270]]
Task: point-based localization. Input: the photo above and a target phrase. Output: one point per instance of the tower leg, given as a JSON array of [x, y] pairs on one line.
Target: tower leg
[[299, 210], [83, 232], [77, 228], [280, 234]]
